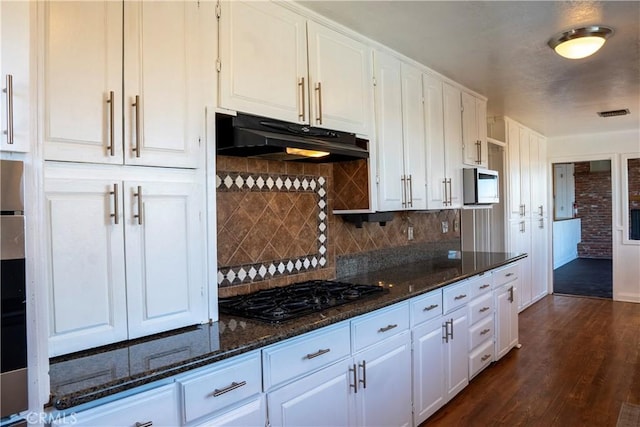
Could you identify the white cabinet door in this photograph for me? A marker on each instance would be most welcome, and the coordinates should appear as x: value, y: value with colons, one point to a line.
x: 513, y: 167
x: 157, y: 407
x: 453, y: 144
x: 85, y: 266
x: 388, y: 92
x: 82, y: 81
x: 263, y: 52
x: 251, y: 414
x: 413, y: 138
x: 163, y: 111
x: 428, y: 369
x: 164, y: 248
x: 506, y: 318
x: 525, y: 172
x: 319, y: 399
x: 538, y: 175
x: 520, y: 242
x: 437, y: 184
x: 384, y: 381
x: 456, y: 352
x: 15, y: 76
x: 540, y: 257
x: 474, y: 131
x: 340, y: 80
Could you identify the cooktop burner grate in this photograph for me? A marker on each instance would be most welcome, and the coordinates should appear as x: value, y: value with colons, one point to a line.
x: 290, y: 302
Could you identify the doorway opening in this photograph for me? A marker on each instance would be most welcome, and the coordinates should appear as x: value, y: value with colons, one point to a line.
x: 582, y: 229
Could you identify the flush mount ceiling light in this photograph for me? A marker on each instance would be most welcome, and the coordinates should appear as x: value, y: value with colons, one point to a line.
x: 580, y: 42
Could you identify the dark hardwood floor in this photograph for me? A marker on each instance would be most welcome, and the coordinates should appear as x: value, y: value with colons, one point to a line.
x: 579, y: 361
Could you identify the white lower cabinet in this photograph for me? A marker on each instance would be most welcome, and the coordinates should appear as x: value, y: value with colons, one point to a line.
x: 142, y: 270
x: 157, y: 407
x: 251, y: 414
x: 506, y: 321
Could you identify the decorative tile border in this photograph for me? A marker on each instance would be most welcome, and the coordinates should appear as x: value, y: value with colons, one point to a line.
x: 240, y: 181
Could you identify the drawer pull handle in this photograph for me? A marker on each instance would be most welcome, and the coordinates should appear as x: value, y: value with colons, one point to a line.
x: 485, y: 357
x: 387, y: 328
x: 317, y: 353
x: 234, y: 385
x: 508, y: 275
x: 144, y: 424
x: 485, y: 331
x: 431, y: 307
x: 485, y: 286
x: 483, y: 309
x: 461, y: 296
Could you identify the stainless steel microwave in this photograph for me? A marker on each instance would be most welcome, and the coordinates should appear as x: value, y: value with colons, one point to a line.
x: 480, y: 186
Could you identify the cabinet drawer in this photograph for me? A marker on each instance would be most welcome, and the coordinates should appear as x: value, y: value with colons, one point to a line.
x: 481, y: 284
x: 481, y: 332
x: 426, y: 307
x: 505, y: 275
x: 379, y: 325
x: 480, y: 358
x: 226, y: 383
x: 480, y: 308
x: 305, y: 354
x: 454, y: 296
x: 158, y: 406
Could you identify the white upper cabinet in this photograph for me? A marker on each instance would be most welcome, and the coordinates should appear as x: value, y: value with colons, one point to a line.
x: 83, y: 81
x: 15, y: 77
x: 474, y: 131
x: 264, y: 52
x: 401, y: 142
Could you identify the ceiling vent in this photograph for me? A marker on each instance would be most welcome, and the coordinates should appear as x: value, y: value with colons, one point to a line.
x: 613, y: 113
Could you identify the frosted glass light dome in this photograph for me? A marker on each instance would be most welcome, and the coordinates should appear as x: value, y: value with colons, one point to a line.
x: 581, y: 42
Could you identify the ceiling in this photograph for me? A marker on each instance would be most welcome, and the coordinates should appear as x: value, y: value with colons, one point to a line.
x: 499, y: 49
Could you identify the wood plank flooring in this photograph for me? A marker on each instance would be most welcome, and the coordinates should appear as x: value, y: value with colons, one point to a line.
x: 580, y: 359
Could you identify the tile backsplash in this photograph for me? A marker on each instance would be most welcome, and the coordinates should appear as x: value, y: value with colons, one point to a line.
x: 275, y: 225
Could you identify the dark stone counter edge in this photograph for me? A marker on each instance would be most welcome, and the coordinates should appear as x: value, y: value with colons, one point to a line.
x: 68, y: 401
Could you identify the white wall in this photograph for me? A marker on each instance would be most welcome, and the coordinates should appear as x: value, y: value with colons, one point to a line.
x: 603, y: 146
x: 566, y: 236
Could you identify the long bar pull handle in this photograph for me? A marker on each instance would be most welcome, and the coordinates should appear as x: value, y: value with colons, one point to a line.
x: 319, y: 91
x: 302, y: 115
x: 404, y: 191
x: 234, y: 385
x: 111, y: 147
x: 479, y: 151
x: 136, y: 106
x: 445, y: 327
x: 363, y: 365
x: 540, y: 210
x: 138, y: 194
x: 355, y: 378
x: 451, y: 323
x: 450, y: 193
x: 541, y: 224
x: 317, y: 353
x: 144, y: 424
x: 116, y: 218
x: 410, y: 202
x: 444, y: 197
x: 511, y: 294
x: 9, y: 91
x: 387, y: 328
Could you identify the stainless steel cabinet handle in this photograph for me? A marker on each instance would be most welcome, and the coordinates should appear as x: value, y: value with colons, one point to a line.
x: 111, y: 147
x: 404, y: 191
x: 485, y: 286
x: 444, y: 196
x: 136, y: 106
x: 450, y: 193
x: 541, y: 224
x: 144, y: 424
x: 363, y: 365
x: 522, y: 227
x: 355, y: 378
x: 410, y: 202
x: 508, y: 274
x: 317, y: 353
x: 138, y: 195
x: 479, y: 151
x: 302, y: 115
x: 451, y: 323
x: 524, y: 210
x: 430, y: 307
x: 461, y: 296
x: 483, y: 309
x: 319, y: 96
x: 445, y: 327
x: 387, y: 328
x: 540, y: 210
x: 234, y: 385
x: 485, y: 331
x: 485, y: 357
x: 511, y: 294
x: 115, y: 216
x: 9, y: 91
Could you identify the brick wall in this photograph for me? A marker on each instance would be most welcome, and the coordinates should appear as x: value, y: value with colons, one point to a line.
x: 593, y: 198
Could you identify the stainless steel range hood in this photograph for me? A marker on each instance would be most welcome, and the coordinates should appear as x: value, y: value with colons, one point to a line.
x: 252, y: 136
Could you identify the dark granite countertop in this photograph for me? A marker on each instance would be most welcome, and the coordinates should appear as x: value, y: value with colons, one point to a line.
x: 85, y: 376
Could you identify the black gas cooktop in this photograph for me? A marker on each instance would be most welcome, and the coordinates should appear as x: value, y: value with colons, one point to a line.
x: 290, y: 302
